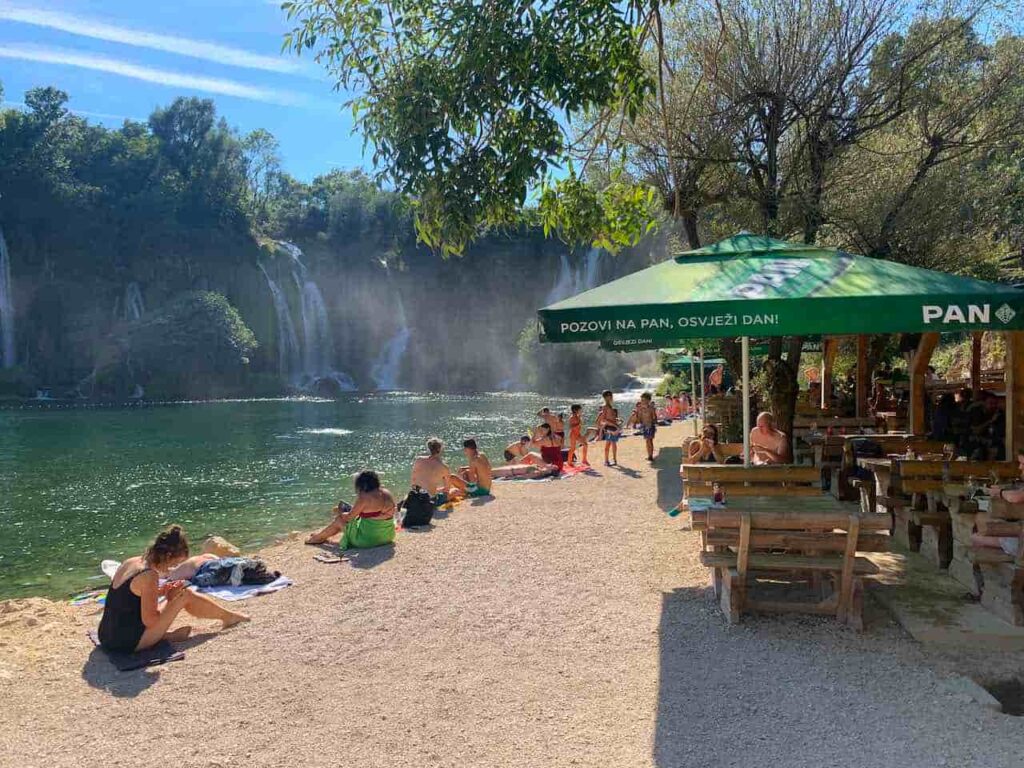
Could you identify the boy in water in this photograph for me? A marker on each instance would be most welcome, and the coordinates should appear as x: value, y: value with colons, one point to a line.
x: 608, y: 428
x: 473, y: 480
x: 645, y: 416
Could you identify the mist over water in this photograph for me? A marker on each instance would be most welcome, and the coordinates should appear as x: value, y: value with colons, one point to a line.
x: 78, y: 486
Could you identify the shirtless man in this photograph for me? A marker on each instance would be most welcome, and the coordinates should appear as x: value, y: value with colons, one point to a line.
x: 519, y: 452
x: 645, y: 416
x: 554, y: 421
x: 767, y: 444
x: 473, y: 480
x: 431, y: 473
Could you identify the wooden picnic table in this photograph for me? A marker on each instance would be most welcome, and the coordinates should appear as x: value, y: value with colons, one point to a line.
x: 808, y: 538
x: 913, y: 491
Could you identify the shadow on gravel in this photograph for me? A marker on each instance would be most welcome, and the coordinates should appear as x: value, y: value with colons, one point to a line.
x: 670, y: 485
x: 370, y: 558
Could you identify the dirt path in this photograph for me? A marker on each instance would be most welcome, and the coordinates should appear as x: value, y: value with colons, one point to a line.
x: 564, y: 623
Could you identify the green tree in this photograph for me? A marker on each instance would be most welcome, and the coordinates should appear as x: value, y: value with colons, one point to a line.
x: 464, y: 102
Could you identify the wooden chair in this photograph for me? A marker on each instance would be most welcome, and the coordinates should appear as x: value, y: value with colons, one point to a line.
x: 890, y: 444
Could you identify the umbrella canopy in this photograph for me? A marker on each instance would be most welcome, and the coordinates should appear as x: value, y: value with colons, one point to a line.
x: 683, y: 361
x: 756, y: 286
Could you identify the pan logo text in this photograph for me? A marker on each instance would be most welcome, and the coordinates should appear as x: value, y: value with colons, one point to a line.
x: 965, y: 315
x: 667, y: 324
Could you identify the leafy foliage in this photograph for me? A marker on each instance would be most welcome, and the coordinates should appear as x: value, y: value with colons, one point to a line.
x: 461, y: 101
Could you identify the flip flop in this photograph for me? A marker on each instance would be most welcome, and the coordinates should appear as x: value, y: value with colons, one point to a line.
x: 324, y: 557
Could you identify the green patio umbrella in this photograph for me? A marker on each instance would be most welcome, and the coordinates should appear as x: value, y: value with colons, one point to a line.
x: 756, y: 286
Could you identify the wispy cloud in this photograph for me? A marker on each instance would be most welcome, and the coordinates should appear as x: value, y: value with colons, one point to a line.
x: 170, y: 78
x: 22, y: 106
x: 183, y: 46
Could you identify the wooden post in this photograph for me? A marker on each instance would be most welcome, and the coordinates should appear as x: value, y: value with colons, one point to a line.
x: 1014, y: 393
x: 976, y: 362
x: 918, y: 373
x: 829, y: 348
x: 862, y: 376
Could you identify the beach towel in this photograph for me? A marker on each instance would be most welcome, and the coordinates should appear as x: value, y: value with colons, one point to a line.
x: 161, y: 653
x: 244, y: 591
x: 225, y: 592
x: 366, y: 532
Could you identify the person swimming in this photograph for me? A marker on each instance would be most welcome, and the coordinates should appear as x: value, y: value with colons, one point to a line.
x: 133, y: 618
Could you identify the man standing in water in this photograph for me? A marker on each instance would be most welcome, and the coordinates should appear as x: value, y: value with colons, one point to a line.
x: 473, y: 480
x: 645, y: 416
x: 431, y: 473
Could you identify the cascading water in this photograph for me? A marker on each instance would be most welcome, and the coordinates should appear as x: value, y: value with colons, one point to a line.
x: 388, y: 366
x: 288, y: 340
x: 304, y: 363
x: 570, y: 281
x: 7, y: 344
x: 134, y: 306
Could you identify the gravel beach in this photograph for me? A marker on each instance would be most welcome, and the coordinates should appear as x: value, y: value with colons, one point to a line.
x: 563, y: 623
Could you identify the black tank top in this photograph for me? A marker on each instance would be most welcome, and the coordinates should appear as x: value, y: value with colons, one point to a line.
x: 121, y: 627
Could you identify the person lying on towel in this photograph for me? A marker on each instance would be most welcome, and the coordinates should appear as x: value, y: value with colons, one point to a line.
x: 369, y: 522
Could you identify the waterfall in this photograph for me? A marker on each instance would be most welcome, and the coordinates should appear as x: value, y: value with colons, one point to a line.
x: 288, y: 341
x: 304, y: 362
x: 6, y: 308
x: 388, y: 365
x: 590, y: 277
x: 134, y: 306
x: 569, y: 281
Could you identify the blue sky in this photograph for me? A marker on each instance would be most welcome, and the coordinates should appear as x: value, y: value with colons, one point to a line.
x: 119, y: 59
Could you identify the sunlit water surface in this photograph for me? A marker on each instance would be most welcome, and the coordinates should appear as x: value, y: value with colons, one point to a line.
x: 78, y: 486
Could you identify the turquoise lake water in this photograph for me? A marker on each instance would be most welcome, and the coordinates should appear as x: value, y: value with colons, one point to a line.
x: 79, y: 486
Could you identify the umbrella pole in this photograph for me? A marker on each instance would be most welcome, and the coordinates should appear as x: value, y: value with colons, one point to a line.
x: 703, y: 390
x: 745, y: 346
x: 693, y: 393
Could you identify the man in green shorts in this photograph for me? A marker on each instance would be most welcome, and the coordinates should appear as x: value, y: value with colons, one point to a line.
x: 473, y: 480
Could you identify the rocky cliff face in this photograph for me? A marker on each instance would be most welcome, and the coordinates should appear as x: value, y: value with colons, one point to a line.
x: 354, y: 317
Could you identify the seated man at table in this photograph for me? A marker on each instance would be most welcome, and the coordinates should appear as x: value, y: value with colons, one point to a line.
x: 767, y: 444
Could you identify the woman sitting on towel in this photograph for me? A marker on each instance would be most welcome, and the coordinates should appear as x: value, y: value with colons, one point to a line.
x: 370, y: 522
x: 133, y: 619
x: 549, y: 444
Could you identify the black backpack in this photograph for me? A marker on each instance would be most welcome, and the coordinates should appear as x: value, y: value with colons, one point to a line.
x: 419, y: 508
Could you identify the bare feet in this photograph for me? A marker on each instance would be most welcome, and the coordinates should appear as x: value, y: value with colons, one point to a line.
x: 314, y: 539
x: 238, y: 618
x: 178, y: 635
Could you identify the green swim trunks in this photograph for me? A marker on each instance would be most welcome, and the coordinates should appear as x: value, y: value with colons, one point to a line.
x: 440, y: 499
x: 474, y: 491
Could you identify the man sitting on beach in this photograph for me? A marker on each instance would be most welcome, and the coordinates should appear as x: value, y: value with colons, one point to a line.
x: 645, y: 416
x: 473, y: 480
x: 767, y: 444
x: 431, y: 473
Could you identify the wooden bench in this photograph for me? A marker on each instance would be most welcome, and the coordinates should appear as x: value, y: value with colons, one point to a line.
x: 738, y: 480
x: 1001, y: 574
x: 805, y: 426
x: 911, y: 490
x: 812, y: 540
x: 890, y: 444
